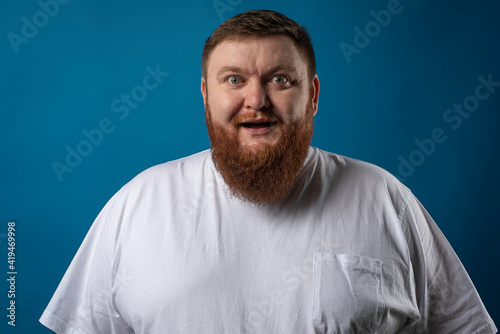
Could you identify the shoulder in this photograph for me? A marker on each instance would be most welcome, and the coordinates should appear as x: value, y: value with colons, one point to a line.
x: 353, y: 169
x: 167, y: 176
x: 172, y: 168
x: 359, y: 178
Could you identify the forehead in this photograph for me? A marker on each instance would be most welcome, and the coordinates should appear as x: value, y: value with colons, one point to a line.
x: 257, y: 54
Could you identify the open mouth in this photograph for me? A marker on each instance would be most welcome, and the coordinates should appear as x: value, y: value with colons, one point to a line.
x: 257, y: 125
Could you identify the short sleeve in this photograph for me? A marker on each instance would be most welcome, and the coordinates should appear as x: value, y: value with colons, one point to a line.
x: 83, y: 301
x: 447, y: 299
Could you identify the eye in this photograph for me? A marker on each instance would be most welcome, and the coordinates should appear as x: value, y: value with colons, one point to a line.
x: 279, y: 79
x: 234, y: 80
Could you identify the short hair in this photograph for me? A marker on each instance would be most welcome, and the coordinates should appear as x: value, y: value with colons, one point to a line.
x: 260, y: 22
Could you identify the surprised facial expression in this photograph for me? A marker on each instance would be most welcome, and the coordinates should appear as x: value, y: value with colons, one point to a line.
x: 258, y: 87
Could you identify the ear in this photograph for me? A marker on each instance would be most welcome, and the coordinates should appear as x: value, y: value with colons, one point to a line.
x: 204, y: 91
x: 315, y: 93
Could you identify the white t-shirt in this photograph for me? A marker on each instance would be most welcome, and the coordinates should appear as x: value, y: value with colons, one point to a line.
x: 351, y: 250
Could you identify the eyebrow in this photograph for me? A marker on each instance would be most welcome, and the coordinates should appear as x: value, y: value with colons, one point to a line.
x: 277, y: 68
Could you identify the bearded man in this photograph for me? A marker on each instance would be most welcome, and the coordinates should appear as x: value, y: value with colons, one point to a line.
x: 263, y: 233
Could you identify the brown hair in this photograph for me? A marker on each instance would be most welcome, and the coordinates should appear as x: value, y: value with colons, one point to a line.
x: 260, y: 22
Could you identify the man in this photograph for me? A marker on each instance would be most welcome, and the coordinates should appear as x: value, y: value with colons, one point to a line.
x: 263, y: 233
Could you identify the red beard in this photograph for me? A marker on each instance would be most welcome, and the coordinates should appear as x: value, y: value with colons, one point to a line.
x: 267, y: 174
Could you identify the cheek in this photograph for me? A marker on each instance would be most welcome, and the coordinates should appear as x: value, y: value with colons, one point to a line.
x: 223, y: 105
x: 291, y: 107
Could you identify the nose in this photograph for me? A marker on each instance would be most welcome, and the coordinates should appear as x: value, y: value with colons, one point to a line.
x: 256, y: 97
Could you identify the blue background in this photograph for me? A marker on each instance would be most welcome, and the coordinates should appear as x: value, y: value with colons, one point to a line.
x: 394, y: 91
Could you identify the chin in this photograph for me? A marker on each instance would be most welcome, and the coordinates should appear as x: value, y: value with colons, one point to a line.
x: 257, y: 142
x: 258, y: 145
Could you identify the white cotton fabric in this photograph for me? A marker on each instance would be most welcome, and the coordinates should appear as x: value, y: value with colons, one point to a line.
x: 349, y: 251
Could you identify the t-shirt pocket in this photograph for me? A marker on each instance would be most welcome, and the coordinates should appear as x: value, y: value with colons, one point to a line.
x: 347, y: 293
